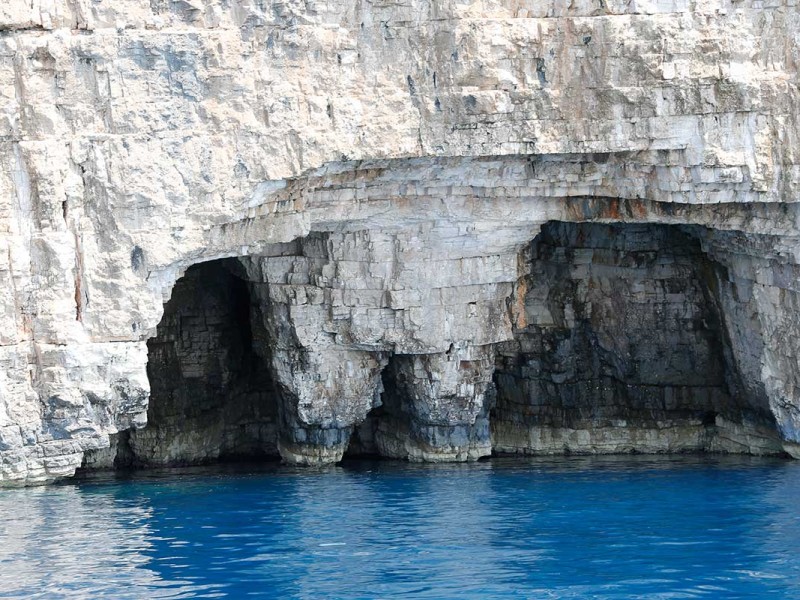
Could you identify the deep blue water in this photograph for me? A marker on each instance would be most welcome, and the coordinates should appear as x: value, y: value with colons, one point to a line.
x: 559, y: 528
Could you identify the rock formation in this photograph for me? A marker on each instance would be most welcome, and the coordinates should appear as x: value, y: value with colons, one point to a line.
x: 423, y: 230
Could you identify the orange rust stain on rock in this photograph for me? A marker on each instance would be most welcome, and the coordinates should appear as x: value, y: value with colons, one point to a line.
x: 519, y: 318
x: 638, y: 208
x: 612, y: 210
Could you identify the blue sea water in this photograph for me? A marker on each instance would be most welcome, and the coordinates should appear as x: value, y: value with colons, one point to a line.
x: 630, y: 527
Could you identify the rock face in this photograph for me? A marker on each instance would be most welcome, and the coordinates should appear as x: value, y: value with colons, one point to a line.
x: 625, y: 349
x: 424, y: 230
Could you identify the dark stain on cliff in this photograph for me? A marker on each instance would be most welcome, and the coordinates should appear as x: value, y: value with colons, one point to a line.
x: 137, y: 259
x: 541, y: 72
x: 412, y: 88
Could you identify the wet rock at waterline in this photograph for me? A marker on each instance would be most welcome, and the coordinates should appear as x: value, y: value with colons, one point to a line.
x: 428, y: 231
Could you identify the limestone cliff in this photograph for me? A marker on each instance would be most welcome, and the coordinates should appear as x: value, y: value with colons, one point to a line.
x: 447, y: 226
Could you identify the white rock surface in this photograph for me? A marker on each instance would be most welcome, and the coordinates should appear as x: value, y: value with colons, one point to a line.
x: 425, y: 143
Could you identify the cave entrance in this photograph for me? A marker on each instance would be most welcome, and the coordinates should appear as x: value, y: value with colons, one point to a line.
x: 387, y: 429
x: 629, y: 341
x: 212, y: 397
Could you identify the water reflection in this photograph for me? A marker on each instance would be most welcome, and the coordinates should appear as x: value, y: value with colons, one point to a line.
x: 565, y: 528
x: 60, y: 541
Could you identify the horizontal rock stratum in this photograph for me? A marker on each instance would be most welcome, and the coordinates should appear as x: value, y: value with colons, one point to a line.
x: 449, y: 227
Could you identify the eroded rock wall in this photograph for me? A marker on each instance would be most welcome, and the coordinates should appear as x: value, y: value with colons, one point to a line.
x: 211, y: 395
x: 624, y: 349
x: 139, y: 138
x: 337, y: 306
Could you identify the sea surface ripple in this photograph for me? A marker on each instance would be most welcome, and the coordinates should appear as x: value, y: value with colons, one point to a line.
x: 625, y: 527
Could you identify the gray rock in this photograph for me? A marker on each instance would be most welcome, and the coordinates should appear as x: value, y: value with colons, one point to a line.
x: 377, y: 174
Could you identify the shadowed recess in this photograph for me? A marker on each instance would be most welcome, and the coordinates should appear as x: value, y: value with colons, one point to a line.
x: 212, y: 396
x: 624, y: 345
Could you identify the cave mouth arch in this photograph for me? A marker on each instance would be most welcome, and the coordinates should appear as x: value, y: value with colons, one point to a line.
x: 631, y: 340
x: 212, y: 395
x: 620, y: 337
